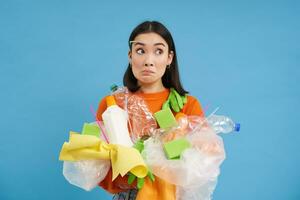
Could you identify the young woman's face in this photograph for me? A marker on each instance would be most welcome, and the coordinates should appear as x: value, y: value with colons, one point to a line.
x: 149, y: 57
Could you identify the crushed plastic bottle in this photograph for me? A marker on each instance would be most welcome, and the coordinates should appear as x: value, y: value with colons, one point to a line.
x: 222, y: 124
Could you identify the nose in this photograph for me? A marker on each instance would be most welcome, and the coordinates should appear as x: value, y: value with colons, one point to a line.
x: 148, y: 64
x: 149, y: 61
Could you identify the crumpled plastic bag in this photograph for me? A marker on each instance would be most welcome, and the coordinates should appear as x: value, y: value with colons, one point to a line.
x: 197, y: 192
x: 195, y: 173
x: 86, y: 174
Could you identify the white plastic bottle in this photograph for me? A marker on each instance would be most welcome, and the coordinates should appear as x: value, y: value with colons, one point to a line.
x: 222, y: 124
x: 115, y: 122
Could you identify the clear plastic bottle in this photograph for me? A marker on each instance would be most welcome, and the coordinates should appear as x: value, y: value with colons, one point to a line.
x: 222, y: 124
x: 115, y: 89
x: 121, y: 96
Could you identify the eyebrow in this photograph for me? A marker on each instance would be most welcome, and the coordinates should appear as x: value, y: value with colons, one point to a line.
x: 143, y: 44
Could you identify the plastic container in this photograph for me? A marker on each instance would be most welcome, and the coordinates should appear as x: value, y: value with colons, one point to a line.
x: 222, y: 124
x: 115, y: 122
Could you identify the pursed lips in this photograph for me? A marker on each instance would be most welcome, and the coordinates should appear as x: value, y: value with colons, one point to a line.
x: 147, y: 71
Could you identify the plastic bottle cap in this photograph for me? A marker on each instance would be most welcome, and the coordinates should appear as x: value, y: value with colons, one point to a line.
x: 179, y: 115
x: 237, y: 127
x: 110, y: 101
x: 113, y: 87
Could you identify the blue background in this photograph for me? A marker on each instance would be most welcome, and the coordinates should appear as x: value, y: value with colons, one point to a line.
x: 57, y: 58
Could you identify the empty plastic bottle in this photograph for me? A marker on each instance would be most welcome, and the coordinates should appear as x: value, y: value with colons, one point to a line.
x: 223, y: 124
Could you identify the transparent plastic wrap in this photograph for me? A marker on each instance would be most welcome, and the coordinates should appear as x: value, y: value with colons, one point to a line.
x: 86, y: 174
x: 141, y: 120
x: 197, y: 192
x: 195, y: 173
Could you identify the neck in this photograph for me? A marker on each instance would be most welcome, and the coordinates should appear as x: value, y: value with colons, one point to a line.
x: 152, y: 88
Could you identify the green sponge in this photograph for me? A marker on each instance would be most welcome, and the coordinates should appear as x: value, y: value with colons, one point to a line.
x: 165, y: 118
x: 91, y: 129
x: 174, y: 148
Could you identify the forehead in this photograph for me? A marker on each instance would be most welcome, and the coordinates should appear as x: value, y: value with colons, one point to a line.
x: 149, y: 39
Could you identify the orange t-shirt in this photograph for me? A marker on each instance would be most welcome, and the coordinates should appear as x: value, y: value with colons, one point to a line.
x: 159, y: 189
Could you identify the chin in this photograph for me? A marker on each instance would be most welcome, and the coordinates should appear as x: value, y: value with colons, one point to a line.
x: 147, y: 80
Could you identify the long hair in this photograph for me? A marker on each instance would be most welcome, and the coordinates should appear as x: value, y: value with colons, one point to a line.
x: 171, y: 77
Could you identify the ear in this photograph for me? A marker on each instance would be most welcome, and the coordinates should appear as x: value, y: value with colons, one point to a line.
x: 170, y: 57
x: 129, y: 56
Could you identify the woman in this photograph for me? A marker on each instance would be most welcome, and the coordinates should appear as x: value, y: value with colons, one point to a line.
x: 151, y: 72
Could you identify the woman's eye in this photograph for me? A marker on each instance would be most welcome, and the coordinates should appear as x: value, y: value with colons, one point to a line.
x: 140, y: 51
x: 158, y: 51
